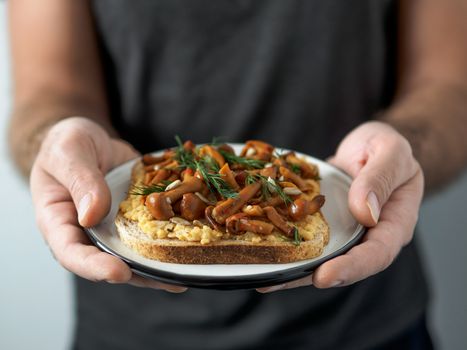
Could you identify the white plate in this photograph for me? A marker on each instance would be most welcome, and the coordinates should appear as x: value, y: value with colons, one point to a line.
x: 345, y: 233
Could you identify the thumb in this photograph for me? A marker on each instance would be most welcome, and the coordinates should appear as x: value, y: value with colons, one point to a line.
x: 85, y: 184
x: 380, y: 160
x: 75, y: 154
x: 385, y: 170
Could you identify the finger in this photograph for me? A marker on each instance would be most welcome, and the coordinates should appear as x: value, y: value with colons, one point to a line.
x: 139, y: 281
x: 72, y: 159
x: 122, y: 152
x: 381, y: 244
x: 302, y: 282
x: 56, y: 218
x: 73, y: 250
x: 383, y: 167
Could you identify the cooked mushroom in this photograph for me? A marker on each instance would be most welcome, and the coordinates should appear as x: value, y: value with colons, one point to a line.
x: 149, y: 159
x: 280, y: 162
x: 189, y: 184
x: 252, y: 210
x: 272, y: 201
x: 231, y: 205
x: 307, y: 170
x: 240, y: 177
x: 269, y: 172
x: 226, y: 148
x: 176, y: 207
x: 278, y: 221
x: 191, y: 207
x: 213, y: 153
x: 148, y: 177
x: 229, y: 177
x: 189, y: 145
x: 240, y: 223
x: 160, y: 176
x: 302, y: 207
x: 208, y: 214
x: 169, y: 162
x: 159, y: 204
x: 159, y: 207
x: 258, y: 150
x: 296, y: 179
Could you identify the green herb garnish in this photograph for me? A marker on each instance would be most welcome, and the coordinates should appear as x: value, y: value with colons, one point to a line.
x: 295, y: 168
x: 207, y: 167
x: 211, y: 163
x: 296, y: 237
x: 268, y: 187
x: 248, y: 163
x: 185, y: 158
x: 214, y: 181
x: 145, y: 190
x: 217, y: 140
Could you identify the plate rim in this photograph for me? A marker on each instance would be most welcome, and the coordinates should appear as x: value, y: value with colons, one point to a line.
x: 234, y: 281
x: 228, y: 282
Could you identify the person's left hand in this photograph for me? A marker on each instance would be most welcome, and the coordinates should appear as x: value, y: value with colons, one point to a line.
x: 385, y: 196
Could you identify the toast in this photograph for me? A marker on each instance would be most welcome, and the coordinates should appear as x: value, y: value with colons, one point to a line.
x: 225, y: 251
x: 251, y: 233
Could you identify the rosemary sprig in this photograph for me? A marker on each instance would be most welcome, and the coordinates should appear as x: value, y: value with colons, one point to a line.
x: 249, y: 163
x: 145, y: 190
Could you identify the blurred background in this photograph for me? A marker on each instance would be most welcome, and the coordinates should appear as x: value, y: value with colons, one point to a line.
x: 36, y: 302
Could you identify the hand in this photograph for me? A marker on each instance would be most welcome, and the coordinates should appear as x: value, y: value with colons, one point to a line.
x: 69, y: 190
x: 385, y: 196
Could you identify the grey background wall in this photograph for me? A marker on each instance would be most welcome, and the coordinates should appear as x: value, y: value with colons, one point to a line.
x: 36, y: 294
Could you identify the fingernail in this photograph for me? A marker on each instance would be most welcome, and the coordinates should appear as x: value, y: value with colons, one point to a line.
x: 274, y: 288
x: 337, y: 283
x: 84, y: 205
x: 373, y: 205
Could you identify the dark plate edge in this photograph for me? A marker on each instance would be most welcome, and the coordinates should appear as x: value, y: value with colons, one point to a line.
x: 228, y: 283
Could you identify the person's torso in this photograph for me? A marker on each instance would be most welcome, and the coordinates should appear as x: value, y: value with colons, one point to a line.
x: 297, y: 74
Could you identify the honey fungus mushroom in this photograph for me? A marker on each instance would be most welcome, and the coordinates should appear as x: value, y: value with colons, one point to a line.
x: 241, y: 222
x: 257, y: 150
x: 160, y: 204
x: 300, y: 208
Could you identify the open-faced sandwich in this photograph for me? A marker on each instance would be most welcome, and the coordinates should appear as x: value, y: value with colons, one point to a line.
x: 207, y: 205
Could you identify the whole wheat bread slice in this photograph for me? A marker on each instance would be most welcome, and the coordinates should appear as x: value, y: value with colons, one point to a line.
x: 222, y: 251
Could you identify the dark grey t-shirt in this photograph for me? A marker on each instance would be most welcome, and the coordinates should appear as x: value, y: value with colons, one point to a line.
x: 298, y: 74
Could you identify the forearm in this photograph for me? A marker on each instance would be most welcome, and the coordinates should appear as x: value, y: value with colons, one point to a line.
x: 433, y: 117
x: 32, y: 119
x: 56, y: 71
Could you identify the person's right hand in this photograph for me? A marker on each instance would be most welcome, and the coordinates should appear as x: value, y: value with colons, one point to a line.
x: 69, y: 191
